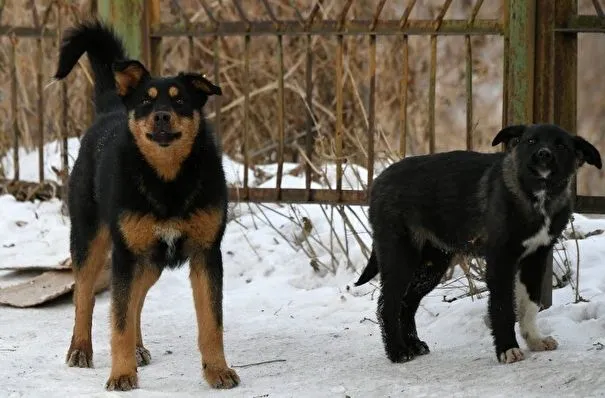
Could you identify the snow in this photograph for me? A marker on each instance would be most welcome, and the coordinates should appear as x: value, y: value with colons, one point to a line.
x: 319, y: 330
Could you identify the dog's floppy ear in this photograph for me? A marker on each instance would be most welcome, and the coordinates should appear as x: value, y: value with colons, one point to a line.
x: 586, y: 152
x: 200, y: 85
x: 128, y: 75
x: 509, y: 135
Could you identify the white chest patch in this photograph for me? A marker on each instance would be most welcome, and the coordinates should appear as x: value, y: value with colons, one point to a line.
x: 542, y: 237
x: 168, y: 235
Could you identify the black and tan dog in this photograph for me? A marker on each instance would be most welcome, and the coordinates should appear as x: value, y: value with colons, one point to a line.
x: 148, y: 184
x: 509, y: 207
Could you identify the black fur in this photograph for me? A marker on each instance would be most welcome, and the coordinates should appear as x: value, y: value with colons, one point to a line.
x: 112, y: 177
x: 426, y: 209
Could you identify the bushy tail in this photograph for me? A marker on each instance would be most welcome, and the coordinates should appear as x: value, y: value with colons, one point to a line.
x: 369, y: 271
x: 103, y: 47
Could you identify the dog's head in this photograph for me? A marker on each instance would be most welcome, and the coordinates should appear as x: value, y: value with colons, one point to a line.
x: 162, y: 110
x: 545, y: 154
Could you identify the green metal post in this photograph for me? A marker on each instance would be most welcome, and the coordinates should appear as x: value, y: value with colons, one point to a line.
x: 128, y: 19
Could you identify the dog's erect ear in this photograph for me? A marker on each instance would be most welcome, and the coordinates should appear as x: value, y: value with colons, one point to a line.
x: 586, y: 152
x: 509, y: 135
x: 128, y: 75
x: 200, y: 85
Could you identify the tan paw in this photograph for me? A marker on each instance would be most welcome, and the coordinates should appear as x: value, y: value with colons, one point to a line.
x: 221, y: 377
x: 79, y: 356
x: 122, y: 382
x: 544, y: 344
x: 512, y: 355
x: 143, y: 356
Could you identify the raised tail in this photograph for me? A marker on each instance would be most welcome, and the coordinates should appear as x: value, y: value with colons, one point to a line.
x: 103, y: 47
x: 369, y: 271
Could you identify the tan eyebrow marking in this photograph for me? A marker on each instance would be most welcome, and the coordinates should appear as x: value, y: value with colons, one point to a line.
x: 173, y: 91
x: 152, y: 92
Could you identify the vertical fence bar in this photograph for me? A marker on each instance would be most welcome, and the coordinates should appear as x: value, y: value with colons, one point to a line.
x: 565, y: 95
x: 40, y: 89
x: 339, y: 116
x: 14, y: 108
x: 469, y: 93
x: 372, y: 110
x: 543, y: 98
x: 505, y: 61
x: 246, y: 111
x: 309, y: 136
x: 469, y: 78
x: 64, y: 115
x: 217, y: 78
x: 280, y: 115
x: 403, y: 132
x: 432, y: 89
x: 153, y: 15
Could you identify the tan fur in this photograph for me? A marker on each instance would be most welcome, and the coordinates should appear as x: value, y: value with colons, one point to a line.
x: 128, y: 78
x: 140, y: 232
x: 123, y: 343
x: 173, y: 91
x: 166, y: 161
x: 152, y: 92
x: 210, y: 333
x: 86, y: 276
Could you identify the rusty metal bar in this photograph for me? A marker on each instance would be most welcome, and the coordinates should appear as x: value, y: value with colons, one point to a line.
x: 590, y: 204
x: 403, y: 132
x: 544, y: 55
x: 309, y: 109
x: 217, y: 78
x: 377, y: 14
x: 343, y: 15
x: 566, y: 71
x: 598, y: 8
x: 14, y: 108
x: 299, y: 16
x: 372, y: 110
x: 153, y: 16
x: 581, y: 24
x: 40, y: 87
x: 280, y: 115
x: 441, y: 15
x: 520, y: 79
x: 339, y: 116
x: 312, y: 15
x: 299, y: 195
x: 505, y: 62
x: 246, y: 113
x: 64, y: 115
x: 326, y: 28
x: 406, y: 14
x: 25, y: 31
x: 432, y: 89
x: 208, y: 12
x: 469, y: 93
x: 245, y: 23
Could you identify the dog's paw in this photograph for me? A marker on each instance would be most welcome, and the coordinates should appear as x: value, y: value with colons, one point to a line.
x: 511, y: 355
x: 143, y: 356
x: 419, y: 347
x: 221, y: 377
x: 544, y: 344
x: 400, y: 354
x: 122, y: 382
x: 80, y: 357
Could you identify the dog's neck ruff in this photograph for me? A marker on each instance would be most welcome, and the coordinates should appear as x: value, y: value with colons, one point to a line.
x: 542, y: 237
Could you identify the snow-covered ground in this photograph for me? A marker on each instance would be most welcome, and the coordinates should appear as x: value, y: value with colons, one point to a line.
x: 317, y: 330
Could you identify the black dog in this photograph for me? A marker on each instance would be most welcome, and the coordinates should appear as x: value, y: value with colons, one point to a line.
x: 508, y: 207
x: 148, y: 184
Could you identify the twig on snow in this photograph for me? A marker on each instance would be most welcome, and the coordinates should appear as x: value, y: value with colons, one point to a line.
x: 258, y: 363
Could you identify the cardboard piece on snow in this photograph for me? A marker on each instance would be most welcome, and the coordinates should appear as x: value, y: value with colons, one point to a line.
x: 63, y: 265
x: 47, y: 286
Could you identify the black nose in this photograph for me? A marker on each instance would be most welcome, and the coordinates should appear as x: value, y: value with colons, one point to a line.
x: 162, y: 119
x: 543, y: 155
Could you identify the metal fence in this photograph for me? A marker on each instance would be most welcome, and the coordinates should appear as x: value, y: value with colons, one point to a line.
x: 537, y: 35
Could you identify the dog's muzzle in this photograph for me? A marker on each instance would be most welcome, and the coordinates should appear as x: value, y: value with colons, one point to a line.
x: 542, y: 156
x: 162, y: 131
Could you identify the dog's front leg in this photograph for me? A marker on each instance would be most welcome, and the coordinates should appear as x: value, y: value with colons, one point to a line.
x: 129, y: 286
x: 501, y: 270
x: 206, y: 277
x: 528, y: 290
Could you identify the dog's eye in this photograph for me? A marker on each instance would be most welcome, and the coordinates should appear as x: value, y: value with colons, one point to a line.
x: 531, y: 141
x: 180, y: 101
x: 560, y: 146
x: 146, y: 101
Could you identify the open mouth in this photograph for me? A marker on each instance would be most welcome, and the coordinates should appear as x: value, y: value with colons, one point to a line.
x: 163, y: 138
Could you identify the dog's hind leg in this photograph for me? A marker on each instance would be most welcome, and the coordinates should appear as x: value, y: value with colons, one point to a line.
x: 433, y: 265
x: 143, y: 355
x: 89, y: 249
x: 528, y: 288
x: 398, y: 259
